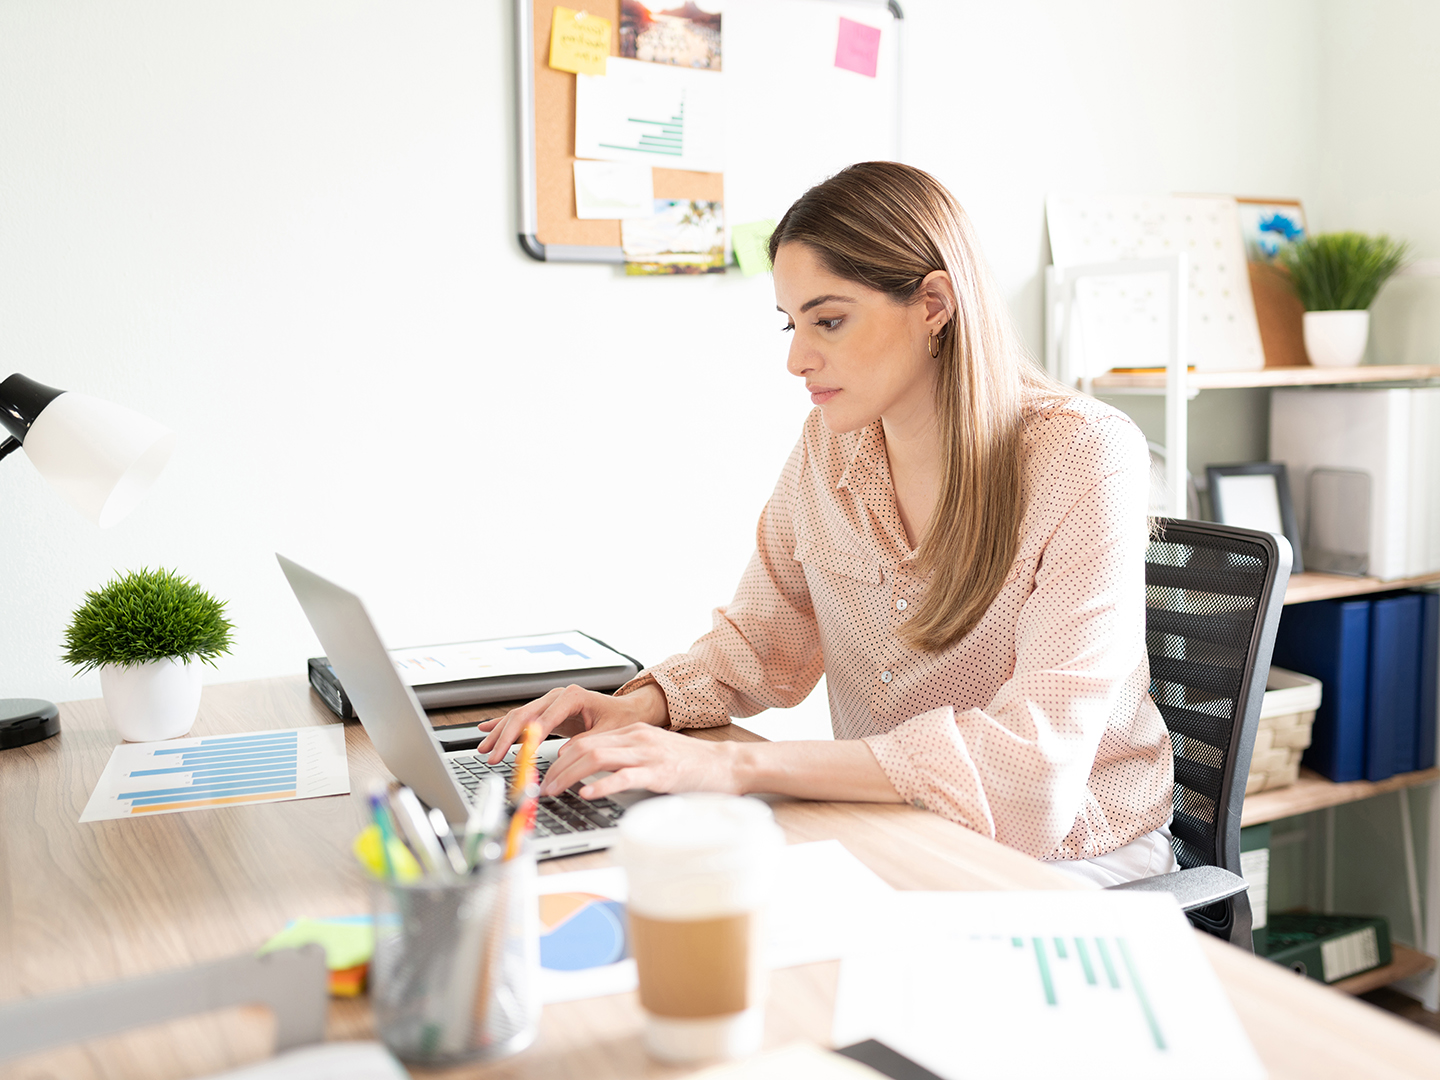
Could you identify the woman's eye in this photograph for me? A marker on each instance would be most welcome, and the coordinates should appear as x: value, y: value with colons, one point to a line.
x: 787, y: 328
x: 828, y: 324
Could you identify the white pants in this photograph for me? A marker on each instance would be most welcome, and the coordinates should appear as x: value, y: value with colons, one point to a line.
x: 1143, y: 857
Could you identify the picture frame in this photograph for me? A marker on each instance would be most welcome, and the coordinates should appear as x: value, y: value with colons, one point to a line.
x: 1256, y: 495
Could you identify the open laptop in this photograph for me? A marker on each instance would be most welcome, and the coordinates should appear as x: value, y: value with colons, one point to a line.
x: 397, y: 725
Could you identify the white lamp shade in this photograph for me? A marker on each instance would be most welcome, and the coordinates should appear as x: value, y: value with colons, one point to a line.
x: 101, y: 456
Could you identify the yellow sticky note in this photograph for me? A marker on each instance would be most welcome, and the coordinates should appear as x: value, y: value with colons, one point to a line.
x: 751, y: 242
x: 579, y: 42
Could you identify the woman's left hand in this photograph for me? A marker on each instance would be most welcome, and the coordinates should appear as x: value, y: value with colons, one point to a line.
x: 642, y: 756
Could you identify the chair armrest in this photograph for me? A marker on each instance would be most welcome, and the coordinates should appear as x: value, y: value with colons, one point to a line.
x: 1197, y: 887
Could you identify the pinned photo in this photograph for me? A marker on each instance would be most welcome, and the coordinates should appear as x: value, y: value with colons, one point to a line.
x: 685, y: 36
x: 685, y: 236
x: 1268, y: 225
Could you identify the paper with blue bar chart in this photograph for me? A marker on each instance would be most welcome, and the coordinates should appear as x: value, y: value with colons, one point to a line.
x: 1042, y: 984
x: 668, y: 117
x: 145, y: 779
x: 499, y: 657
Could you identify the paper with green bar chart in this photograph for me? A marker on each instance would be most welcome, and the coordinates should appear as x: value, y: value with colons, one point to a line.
x: 144, y: 779
x: 1044, y: 984
x: 668, y: 117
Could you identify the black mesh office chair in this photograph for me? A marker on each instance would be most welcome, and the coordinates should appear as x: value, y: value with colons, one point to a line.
x: 1213, y: 595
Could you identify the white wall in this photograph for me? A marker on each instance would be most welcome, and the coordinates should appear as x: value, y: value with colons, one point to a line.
x: 285, y: 228
x: 1380, y: 162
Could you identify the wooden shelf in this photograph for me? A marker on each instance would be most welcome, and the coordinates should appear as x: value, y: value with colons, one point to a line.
x: 1306, y: 587
x: 1313, y: 792
x: 1404, y: 962
x: 1282, y: 376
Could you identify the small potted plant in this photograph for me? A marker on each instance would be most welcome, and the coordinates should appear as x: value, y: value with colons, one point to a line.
x: 146, y: 632
x: 1336, y: 276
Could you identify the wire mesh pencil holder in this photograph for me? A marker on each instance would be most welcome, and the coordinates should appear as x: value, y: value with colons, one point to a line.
x: 456, y: 970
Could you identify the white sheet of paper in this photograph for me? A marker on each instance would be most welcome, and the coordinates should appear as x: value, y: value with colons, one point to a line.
x: 1124, y: 321
x: 669, y: 117
x: 1251, y: 502
x: 328, y: 1061
x: 142, y: 779
x: 1044, y: 984
x: 570, y: 651
x: 613, y: 190
x: 823, y: 895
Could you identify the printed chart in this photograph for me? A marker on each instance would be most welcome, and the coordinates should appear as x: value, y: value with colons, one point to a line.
x: 662, y: 115
x: 567, y: 651
x: 143, y: 779
x: 1021, y: 984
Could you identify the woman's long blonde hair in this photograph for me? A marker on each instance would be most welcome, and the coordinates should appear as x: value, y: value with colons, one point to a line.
x: 887, y: 226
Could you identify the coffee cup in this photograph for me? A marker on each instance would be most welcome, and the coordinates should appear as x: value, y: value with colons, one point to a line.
x: 700, y: 869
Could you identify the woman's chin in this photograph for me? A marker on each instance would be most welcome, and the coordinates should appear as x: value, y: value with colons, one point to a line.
x: 841, y: 421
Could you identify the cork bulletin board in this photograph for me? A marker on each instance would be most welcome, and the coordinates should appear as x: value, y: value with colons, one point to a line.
x: 793, y: 116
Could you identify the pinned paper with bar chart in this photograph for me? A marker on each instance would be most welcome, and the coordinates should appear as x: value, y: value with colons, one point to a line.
x: 1073, y: 984
x: 668, y: 117
x: 144, y: 779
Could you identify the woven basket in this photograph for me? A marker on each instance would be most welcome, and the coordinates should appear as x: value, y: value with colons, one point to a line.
x: 1285, y: 720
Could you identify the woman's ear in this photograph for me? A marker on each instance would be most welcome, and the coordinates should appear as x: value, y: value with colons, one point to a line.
x: 937, y: 300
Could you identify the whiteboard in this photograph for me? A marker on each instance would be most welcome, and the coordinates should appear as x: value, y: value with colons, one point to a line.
x: 792, y: 117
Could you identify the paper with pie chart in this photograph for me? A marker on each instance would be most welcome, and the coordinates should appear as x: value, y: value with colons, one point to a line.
x: 821, y: 894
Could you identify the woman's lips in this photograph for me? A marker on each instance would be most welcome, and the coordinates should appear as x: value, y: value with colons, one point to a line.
x: 820, y: 395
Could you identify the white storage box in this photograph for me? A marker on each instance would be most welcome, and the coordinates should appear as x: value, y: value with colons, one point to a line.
x: 1285, y: 720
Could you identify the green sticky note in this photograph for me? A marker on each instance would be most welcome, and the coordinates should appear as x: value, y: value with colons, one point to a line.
x: 751, y: 242
x: 346, y: 943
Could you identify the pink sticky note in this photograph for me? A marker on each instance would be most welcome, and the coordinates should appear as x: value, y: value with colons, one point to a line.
x: 859, y: 47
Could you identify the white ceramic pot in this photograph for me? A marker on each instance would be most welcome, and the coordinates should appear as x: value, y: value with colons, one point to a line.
x: 1336, y: 338
x: 154, y: 701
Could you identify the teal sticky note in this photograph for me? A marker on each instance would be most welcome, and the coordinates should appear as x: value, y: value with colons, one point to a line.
x: 751, y: 242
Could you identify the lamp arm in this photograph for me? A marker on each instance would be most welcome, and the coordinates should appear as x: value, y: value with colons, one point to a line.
x: 9, y: 446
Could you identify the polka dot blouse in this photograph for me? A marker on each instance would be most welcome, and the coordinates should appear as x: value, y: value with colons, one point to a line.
x: 1035, y: 729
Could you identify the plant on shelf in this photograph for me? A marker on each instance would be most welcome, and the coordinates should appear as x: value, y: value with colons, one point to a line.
x: 1337, y: 276
x: 147, y: 632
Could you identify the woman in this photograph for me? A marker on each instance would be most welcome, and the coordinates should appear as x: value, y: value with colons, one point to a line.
x: 956, y: 542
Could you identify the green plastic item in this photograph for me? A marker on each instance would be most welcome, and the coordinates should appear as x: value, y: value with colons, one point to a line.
x: 1328, y: 948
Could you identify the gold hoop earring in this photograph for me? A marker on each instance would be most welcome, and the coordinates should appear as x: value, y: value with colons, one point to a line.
x: 934, y: 345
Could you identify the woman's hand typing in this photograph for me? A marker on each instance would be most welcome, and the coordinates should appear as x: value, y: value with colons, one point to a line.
x: 570, y: 710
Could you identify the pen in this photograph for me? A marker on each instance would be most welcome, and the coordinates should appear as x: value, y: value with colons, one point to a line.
x: 487, y: 816
x: 524, y: 774
x: 447, y: 840
x: 416, y: 826
x: 382, y: 822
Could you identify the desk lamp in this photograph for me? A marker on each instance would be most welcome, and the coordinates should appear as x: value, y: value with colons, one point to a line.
x: 103, y: 458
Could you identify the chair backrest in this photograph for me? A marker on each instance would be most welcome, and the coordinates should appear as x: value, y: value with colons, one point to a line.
x: 1213, y: 595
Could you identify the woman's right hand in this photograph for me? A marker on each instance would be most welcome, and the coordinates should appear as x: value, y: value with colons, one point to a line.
x: 570, y: 710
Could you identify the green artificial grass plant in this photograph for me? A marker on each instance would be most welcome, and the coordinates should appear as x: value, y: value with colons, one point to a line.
x: 1341, y: 271
x: 147, y: 615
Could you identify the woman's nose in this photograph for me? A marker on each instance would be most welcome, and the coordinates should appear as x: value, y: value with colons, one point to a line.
x: 801, y: 358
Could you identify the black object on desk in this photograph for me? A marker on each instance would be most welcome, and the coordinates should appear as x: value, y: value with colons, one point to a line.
x: 27, y: 720
x: 459, y: 693
x: 885, y: 1061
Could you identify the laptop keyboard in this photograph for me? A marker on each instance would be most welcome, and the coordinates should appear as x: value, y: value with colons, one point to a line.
x: 557, y: 815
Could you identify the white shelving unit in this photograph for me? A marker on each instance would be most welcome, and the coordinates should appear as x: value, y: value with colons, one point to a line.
x: 1179, y: 386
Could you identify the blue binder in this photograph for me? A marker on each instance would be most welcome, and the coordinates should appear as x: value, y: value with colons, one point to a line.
x: 1330, y: 640
x: 1394, y: 683
x: 1429, y: 713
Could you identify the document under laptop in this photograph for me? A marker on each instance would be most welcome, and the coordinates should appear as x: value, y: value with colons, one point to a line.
x: 391, y: 715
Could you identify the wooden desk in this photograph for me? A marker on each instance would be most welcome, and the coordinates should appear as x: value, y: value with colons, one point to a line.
x: 83, y: 904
